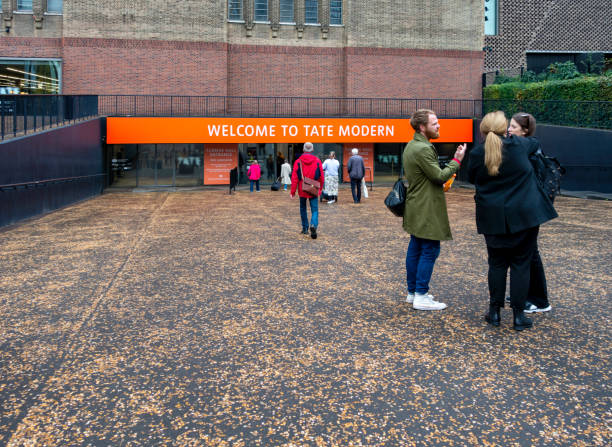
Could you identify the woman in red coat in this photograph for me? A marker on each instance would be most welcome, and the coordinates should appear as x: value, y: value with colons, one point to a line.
x: 313, y: 169
x: 254, y: 174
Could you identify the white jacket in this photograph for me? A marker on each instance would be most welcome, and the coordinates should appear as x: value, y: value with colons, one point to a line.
x: 286, y: 173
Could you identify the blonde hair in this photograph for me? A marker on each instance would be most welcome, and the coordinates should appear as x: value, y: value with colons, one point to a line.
x: 493, y: 126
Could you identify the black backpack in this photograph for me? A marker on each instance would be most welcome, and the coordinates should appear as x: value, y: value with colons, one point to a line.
x: 548, y: 172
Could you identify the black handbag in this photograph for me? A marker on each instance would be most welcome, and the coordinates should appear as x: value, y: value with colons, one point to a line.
x: 396, y: 199
x: 276, y: 185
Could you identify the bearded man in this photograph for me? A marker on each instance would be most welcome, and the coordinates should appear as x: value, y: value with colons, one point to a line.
x: 425, y: 215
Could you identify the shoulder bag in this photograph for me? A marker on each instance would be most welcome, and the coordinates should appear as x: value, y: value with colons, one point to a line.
x: 309, y: 186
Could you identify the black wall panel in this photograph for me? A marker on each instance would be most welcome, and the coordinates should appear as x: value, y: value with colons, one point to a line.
x: 68, y: 161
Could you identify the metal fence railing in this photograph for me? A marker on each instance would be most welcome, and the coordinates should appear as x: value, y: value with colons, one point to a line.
x: 23, y: 114
x: 262, y: 106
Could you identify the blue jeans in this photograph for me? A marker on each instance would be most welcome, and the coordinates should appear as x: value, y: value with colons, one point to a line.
x: 420, y: 259
x: 356, y: 189
x: 254, y: 182
x: 314, y: 209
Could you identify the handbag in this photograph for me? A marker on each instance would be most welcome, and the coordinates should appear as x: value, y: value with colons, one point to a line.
x: 309, y: 186
x: 396, y: 199
x: 276, y: 185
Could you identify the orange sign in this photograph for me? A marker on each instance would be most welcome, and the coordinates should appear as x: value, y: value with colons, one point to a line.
x: 219, y: 159
x: 150, y: 130
x: 366, y: 150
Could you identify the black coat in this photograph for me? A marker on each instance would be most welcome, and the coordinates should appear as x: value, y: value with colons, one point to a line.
x: 511, y: 201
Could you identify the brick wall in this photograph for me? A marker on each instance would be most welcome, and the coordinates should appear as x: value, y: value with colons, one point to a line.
x: 386, y: 48
x: 398, y: 73
x: 110, y: 66
x: 285, y: 71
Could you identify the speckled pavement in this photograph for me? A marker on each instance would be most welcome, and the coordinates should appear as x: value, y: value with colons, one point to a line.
x: 198, y: 318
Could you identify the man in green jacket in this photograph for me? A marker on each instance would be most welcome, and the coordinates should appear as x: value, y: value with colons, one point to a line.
x: 425, y: 216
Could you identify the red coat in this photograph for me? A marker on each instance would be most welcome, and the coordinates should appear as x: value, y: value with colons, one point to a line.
x: 313, y: 168
x: 254, y: 172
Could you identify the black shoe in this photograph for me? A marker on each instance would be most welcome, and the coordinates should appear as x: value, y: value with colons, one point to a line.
x: 492, y: 316
x: 305, y: 231
x: 313, y: 232
x: 520, y: 320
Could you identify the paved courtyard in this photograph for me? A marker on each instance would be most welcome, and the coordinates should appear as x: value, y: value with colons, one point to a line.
x: 198, y: 318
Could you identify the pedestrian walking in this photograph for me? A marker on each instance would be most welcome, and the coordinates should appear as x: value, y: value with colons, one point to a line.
x: 356, y: 172
x: 510, y: 207
x: 285, y: 172
x: 425, y: 215
x: 307, y: 165
x: 254, y: 174
x: 330, y: 168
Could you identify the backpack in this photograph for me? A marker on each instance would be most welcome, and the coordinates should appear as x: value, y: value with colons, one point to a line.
x: 548, y: 172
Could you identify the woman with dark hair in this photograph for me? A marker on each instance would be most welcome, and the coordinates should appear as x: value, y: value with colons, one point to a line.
x: 524, y: 125
x: 510, y: 207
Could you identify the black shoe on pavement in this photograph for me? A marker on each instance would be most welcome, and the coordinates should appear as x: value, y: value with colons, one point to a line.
x: 492, y: 316
x: 313, y: 232
x: 520, y: 320
x: 304, y: 230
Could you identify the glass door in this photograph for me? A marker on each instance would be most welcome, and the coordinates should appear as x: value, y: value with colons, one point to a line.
x: 157, y: 165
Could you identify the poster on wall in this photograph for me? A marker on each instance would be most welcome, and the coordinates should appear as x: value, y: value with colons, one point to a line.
x: 366, y: 150
x: 219, y: 159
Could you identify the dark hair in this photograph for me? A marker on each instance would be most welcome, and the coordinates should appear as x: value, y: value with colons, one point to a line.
x: 526, y: 121
x: 420, y: 117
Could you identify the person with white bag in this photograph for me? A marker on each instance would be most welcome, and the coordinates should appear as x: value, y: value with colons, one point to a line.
x: 356, y: 172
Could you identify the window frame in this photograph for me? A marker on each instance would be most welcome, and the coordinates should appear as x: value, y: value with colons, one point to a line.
x: 280, y: 18
x: 259, y: 20
x: 55, y: 13
x: 341, y: 6
x: 24, y: 11
x: 495, y: 12
x: 229, y: 18
x: 306, y: 22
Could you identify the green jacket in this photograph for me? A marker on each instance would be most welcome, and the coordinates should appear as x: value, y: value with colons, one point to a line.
x: 425, y: 214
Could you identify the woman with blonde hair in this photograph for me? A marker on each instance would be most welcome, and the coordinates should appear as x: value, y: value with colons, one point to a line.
x: 510, y: 207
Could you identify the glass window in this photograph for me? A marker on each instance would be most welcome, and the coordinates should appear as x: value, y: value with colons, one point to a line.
x: 490, y: 17
x: 261, y: 10
x: 286, y: 11
x: 55, y: 6
x: 234, y: 8
x: 30, y: 76
x: 312, y: 11
x: 24, y: 5
x: 335, y: 12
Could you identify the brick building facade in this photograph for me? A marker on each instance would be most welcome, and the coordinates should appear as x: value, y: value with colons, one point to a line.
x: 349, y: 48
x: 531, y: 33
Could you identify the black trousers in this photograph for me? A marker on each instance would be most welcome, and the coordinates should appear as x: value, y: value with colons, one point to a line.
x: 356, y: 189
x: 538, y: 292
x: 514, y: 251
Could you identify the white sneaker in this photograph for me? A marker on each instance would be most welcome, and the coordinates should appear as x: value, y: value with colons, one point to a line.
x: 426, y: 302
x: 330, y: 202
x: 410, y: 298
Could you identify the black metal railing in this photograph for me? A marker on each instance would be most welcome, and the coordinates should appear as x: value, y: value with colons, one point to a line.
x: 23, y: 114
x: 296, y: 107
